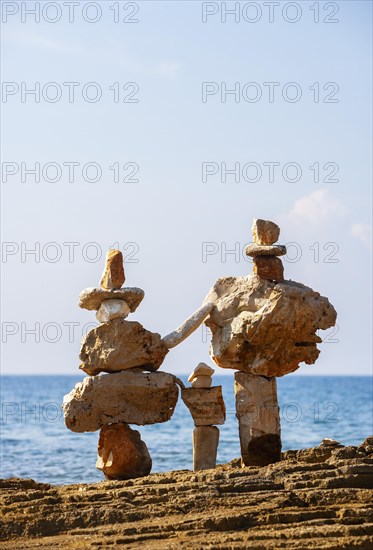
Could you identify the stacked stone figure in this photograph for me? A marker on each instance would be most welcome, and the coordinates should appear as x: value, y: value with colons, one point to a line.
x: 207, y: 408
x: 132, y: 392
x: 264, y: 252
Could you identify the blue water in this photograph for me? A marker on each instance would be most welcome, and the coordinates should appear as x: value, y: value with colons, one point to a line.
x: 36, y: 444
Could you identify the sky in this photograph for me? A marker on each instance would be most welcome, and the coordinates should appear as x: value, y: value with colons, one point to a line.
x: 163, y: 128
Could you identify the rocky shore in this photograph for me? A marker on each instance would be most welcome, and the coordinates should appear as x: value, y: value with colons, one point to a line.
x: 312, y: 498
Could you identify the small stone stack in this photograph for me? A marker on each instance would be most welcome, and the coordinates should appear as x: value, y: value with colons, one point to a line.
x: 132, y: 393
x: 265, y: 252
x: 207, y: 408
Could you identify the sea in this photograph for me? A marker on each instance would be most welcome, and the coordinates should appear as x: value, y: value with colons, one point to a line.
x: 35, y: 442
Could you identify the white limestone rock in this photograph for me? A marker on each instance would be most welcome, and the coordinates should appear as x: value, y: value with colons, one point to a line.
x: 112, y: 309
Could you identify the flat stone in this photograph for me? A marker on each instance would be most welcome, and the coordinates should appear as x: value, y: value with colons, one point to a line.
x: 265, y: 250
x: 122, y: 454
x: 112, y: 309
x: 258, y: 417
x: 201, y: 370
x: 265, y: 231
x: 205, y: 405
x: 205, y: 447
x: 132, y: 397
x: 269, y: 267
x: 202, y: 382
x: 113, y: 275
x: 91, y: 298
x: 266, y: 328
x: 329, y: 442
x: 121, y: 345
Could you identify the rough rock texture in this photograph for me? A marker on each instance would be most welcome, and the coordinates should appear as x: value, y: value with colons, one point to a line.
x: 258, y: 417
x: 122, y: 454
x: 112, y: 309
x: 205, y: 405
x: 265, y: 250
x: 202, y: 382
x: 133, y: 397
x: 269, y: 267
x: 120, y: 345
x: 264, y: 327
x: 265, y: 232
x: 323, y: 502
x: 205, y: 447
x: 113, y: 275
x: 92, y: 297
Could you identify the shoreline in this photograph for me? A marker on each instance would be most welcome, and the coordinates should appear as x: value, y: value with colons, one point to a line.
x: 323, y: 493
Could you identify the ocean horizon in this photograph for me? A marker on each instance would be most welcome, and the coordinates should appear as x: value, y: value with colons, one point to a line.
x: 35, y: 442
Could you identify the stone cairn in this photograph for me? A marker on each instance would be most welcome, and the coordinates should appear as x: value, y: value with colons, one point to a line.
x: 207, y: 408
x: 133, y: 392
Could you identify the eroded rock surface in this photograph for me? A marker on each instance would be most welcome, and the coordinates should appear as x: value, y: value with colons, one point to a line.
x: 266, y: 328
x: 113, y: 275
x: 92, y: 297
x: 206, y: 405
x: 132, y: 397
x: 120, y: 345
x: 293, y: 504
x: 122, y: 454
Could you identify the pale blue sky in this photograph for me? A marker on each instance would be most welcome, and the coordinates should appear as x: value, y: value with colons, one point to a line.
x: 170, y: 133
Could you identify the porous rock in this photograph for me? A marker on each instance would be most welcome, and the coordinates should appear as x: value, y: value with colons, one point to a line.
x: 206, y: 405
x: 266, y: 328
x: 91, y: 298
x: 122, y: 454
x: 120, y: 345
x: 265, y: 232
x: 113, y: 275
x: 133, y: 397
x: 269, y: 267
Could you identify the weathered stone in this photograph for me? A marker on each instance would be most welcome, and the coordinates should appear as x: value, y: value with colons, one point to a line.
x: 121, y: 345
x: 201, y: 370
x: 91, y: 298
x: 265, y: 232
x: 122, y: 454
x: 190, y: 325
x: 130, y: 396
x: 112, y: 309
x: 113, y: 275
x: 266, y: 328
x: 257, y: 412
x: 269, y: 267
x: 202, y: 382
x: 205, y: 447
x: 265, y: 250
x: 205, y: 405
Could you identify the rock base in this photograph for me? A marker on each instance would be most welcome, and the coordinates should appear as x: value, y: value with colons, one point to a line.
x: 205, y: 447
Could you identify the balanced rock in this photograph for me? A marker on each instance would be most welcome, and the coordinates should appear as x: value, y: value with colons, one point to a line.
x: 202, y: 382
x: 112, y: 309
x: 201, y: 370
x: 265, y: 250
x: 205, y: 405
x: 265, y: 232
x: 258, y: 419
x: 120, y: 345
x: 92, y: 298
x: 122, y: 454
x: 269, y: 267
x: 266, y: 328
x: 113, y: 275
x: 205, y: 446
x: 133, y: 397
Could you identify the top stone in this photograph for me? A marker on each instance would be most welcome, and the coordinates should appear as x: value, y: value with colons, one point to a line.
x: 113, y: 275
x: 265, y: 232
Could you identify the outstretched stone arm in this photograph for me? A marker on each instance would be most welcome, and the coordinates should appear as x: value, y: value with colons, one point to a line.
x: 189, y: 326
